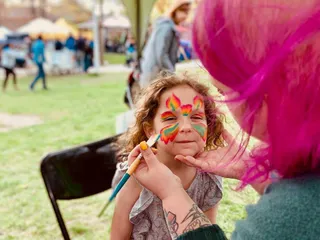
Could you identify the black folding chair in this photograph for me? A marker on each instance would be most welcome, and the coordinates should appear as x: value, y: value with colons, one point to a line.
x: 78, y: 172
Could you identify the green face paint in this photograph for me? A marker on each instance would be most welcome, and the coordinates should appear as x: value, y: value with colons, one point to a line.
x: 202, y: 129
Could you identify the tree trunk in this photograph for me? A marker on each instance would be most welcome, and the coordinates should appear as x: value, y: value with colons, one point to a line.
x: 33, y: 9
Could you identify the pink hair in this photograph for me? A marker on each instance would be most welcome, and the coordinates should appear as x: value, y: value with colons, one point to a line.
x: 268, y: 50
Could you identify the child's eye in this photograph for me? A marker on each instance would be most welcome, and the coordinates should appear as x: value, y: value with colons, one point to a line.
x: 198, y: 117
x: 169, y: 119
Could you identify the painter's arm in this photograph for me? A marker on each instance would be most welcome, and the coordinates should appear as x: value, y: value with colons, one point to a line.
x: 121, y: 228
x: 183, y: 215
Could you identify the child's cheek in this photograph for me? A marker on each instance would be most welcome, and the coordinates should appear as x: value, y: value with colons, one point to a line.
x: 202, y: 129
x: 169, y: 133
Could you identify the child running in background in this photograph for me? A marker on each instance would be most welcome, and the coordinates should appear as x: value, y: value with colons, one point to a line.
x: 182, y: 110
x: 8, y: 62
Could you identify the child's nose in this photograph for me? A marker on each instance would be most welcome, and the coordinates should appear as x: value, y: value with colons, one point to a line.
x: 185, y: 125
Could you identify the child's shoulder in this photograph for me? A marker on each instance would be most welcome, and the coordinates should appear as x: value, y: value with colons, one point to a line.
x: 206, y: 190
x: 205, y: 178
x: 121, y: 169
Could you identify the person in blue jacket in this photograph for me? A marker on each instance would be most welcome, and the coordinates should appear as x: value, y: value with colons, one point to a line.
x: 38, y: 55
x: 71, y: 43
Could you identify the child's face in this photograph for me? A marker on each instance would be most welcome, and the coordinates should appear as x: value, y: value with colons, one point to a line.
x: 181, y: 121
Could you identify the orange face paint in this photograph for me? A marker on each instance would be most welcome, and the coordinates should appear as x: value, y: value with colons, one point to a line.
x: 169, y: 133
x: 198, y: 102
x: 186, y: 109
x: 167, y: 115
x: 173, y: 102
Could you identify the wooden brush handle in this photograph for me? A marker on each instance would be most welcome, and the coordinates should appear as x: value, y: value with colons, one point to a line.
x: 134, y: 165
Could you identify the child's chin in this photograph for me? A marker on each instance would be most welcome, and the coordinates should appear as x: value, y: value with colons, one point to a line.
x: 186, y: 152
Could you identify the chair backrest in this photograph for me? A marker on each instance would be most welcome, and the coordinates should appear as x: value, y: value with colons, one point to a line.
x: 80, y: 172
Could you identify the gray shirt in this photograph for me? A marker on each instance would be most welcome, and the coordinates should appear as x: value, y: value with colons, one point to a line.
x: 147, y: 215
x: 160, y: 52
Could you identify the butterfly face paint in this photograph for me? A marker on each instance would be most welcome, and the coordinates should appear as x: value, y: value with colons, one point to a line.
x: 198, y: 102
x: 186, y: 110
x: 202, y: 129
x: 169, y: 133
x: 173, y: 102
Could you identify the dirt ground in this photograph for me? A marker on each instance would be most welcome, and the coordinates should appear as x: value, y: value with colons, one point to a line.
x: 9, y: 122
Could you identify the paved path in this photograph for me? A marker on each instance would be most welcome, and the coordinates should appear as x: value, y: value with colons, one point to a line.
x: 110, y: 68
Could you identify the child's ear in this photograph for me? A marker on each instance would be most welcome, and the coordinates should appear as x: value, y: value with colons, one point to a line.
x: 148, y: 129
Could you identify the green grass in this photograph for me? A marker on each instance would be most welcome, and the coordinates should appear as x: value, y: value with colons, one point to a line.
x: 115, y: 58
x: 76, y: 110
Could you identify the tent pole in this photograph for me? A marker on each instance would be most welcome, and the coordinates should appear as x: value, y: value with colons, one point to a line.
x: 138, y: 39
x: 96, y: 45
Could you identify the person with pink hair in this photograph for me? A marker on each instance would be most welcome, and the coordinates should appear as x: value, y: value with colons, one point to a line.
x: 265, y: 57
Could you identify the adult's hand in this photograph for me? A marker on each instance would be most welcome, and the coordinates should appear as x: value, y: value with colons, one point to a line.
x: 228, y: 162
x: 154, y: 175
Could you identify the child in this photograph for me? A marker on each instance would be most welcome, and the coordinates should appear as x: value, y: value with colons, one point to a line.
x: 8, y: 62
x: 182, y: 110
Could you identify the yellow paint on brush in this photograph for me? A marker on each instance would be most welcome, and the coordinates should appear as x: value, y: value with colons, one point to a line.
x: 143, y: 146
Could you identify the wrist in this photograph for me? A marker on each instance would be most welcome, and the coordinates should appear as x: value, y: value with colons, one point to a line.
x: 174, y: 196
x: 176, y: 190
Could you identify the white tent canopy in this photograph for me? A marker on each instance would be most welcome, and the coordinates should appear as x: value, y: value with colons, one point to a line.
x: 42, y: 25
x: 4, y: 32
x: 116, y: 22
x: 112, y: 21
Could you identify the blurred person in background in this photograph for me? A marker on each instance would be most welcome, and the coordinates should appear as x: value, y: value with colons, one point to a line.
x: 131, y: 54
x: 70, y: 45
x: 80, y: 52
x: 8, y: 62
x: 88, y: 56
x: 38, y: 54
x: 161, y: 50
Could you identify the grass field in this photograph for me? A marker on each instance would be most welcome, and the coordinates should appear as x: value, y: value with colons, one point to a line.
x: 75, y: 110
x: 115, y: 58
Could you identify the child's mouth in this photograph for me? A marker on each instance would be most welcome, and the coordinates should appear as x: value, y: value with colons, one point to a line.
x: 186, y: 141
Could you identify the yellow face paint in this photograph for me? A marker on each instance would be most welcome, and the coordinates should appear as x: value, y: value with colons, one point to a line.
x: 173, y: 102
x: 198, y: 102
x: 167, y: 116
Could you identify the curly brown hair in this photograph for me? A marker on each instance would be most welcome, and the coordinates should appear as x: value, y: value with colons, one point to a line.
x: 148, y: 104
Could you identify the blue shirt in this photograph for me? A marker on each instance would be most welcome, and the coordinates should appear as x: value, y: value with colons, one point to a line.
x: 71, y: 43
x: 38, y: 51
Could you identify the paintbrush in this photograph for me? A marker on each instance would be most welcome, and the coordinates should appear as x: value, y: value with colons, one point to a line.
x: 152, y: 140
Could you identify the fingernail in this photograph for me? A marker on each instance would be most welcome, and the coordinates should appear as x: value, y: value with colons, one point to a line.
x: 143, y: 146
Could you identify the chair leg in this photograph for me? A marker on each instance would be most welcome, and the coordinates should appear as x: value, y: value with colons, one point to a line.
x: 56, y: 209
x: 62, y: 226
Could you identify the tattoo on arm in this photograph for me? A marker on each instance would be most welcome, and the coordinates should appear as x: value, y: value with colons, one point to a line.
x: 196, y: 219
x: 172, y: 224
x: 193, y: 220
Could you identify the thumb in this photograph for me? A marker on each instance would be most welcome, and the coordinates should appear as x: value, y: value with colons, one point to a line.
x: 148, y: 155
